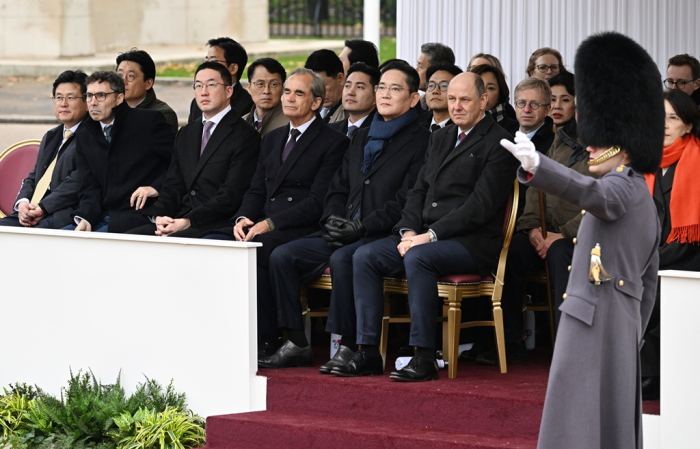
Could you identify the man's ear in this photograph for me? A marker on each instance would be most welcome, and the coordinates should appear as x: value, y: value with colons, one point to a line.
x: 415, y: 99
x: 341, y: 78
x: 149, y: 83
x: 233, y: 68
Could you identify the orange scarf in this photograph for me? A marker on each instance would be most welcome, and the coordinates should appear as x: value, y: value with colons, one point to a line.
x: 685, y: 193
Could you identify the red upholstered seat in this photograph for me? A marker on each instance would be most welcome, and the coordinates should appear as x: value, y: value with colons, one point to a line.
x: 15, y: 164
x: 326, y: 272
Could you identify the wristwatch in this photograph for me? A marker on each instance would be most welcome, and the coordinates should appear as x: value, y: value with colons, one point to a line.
x: 433, y: 237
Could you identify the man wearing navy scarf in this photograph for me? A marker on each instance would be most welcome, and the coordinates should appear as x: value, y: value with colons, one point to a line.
x: 451, y: 223
x: 363, y: 203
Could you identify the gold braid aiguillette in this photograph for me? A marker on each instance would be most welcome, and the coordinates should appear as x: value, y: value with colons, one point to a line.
x: 610, y: 152
x: 594, y: 275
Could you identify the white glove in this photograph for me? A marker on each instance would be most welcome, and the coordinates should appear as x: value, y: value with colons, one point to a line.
x: 524, y: 151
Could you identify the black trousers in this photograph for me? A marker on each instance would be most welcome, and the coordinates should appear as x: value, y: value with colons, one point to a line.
x: 267, y: 305
x: 150, y: 229
x: 422, y: 265
x: 522, y: 258
x: 13, y: 220
x: 301, y: 261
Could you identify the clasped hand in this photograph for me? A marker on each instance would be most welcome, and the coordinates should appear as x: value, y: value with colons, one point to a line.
x: 343, y: 231
x: 411, y: 239
x: 242, y: 236
x: 29, y: 214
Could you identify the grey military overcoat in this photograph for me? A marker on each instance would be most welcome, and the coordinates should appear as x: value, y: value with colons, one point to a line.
x: 594, y: 394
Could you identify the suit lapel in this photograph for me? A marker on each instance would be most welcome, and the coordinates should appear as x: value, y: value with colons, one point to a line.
x: 474, y: 136
x: 304, y: 141
x: 222, y: 130
x: 396, y: 144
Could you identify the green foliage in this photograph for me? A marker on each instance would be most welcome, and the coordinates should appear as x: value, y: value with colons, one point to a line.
x: 96, y: 416
x: 169, y: 429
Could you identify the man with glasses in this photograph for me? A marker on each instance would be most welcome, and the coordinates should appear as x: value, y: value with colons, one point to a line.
x: 266, y: 77
x: 233, y: 56
x: 439, y: 77
x: 119, y: 150
x: 213, y: 162
x: 137, y: 69
x: 49, y: 194
x: 363, y: 203
x: 683, y: 73
x: 358, y: 98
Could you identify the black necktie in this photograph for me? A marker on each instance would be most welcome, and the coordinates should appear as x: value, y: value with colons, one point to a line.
x: 434, y: 127
x: 352, y: 130
x: 290, y: 145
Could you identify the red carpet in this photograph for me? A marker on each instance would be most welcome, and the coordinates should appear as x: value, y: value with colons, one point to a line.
x: 480, y: 409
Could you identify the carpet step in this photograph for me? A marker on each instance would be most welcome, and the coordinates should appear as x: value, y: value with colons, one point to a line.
x: 298, y: 430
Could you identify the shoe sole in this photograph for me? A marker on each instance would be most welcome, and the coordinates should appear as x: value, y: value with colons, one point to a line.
x: 408, y: 379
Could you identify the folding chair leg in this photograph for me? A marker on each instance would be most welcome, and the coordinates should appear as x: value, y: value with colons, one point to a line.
x: 500, y: 337
x: 384, y: 339
x: 454, y: 319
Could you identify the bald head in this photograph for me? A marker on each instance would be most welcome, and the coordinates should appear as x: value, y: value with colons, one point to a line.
x: 466, y: 100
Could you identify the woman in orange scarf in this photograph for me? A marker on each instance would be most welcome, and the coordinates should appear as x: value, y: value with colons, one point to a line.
x: 676, y: 191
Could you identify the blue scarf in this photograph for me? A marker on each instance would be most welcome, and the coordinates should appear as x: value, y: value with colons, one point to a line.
x: 380, y: 132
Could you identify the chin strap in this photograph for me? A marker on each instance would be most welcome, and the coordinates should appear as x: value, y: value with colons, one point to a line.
x: 610, y: 152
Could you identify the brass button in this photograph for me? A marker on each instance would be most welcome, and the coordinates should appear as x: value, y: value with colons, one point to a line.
x: 563, y: 296
x: 575, y: 240
x: 583, y: 212
x: 621, y: 283
x: 569, y: 268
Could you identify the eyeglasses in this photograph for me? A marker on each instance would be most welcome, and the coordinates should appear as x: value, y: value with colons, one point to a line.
x: 130, y: 77
x: 59, y: 99
x: 214, y: 60
x: 395, y: 90
x: 273, y: 85
x: 544, y: 67
x: 99, y: 96
x: 441, y: 85
x: 210, y: 86
x: 669, y: 83
x: 533, y: 104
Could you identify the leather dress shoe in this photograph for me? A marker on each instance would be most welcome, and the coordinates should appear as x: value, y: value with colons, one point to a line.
x: 361, y: 364
x: 267, y: 348
x: 515, y: 353
x: 419, y: 369
x: 650, y: 388
x: 341, y: 357
x: 288, y: 355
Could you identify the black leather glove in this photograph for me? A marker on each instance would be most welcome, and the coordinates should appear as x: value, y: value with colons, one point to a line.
x: 343, y: 231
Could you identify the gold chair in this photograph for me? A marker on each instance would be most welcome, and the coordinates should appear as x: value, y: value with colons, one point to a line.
x: 322, y: 283
x: 454, y: 288
x: 15, y: 164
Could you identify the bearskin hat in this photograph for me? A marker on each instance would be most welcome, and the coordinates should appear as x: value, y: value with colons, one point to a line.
x: 619, y: 99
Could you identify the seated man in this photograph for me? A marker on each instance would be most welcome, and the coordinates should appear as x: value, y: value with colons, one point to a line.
x: 327, y: 65
x: 285, y: 199
x: 363, y: 203
x: 137, y: 69
x: 431, y: 53
x: 233, y: 56
x: 358, y: 50
x: 118, y: 150
x: 49, y: 194
x: 529, y: 249
x: 212, y: 165
x: 452, y: 223
x: 358, y: 99
x: 266, y: 77
x: 439, y: 77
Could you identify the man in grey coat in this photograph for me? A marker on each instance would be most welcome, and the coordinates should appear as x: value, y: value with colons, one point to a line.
x: 594, y: 392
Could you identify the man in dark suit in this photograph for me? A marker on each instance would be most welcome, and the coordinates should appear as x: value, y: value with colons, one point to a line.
x: 439, y: 77
x: 266, y: 77
x: 328, y: 66
x: 49, y: 194
x: 358, y: 99
x: 285, y: 199
x: 137, y: 69
x: 233, y: 56
x: 451, y: 223
x: 363, y: 204
x: 119, y: 150
x: 212, y: 165
x: 431, y: 53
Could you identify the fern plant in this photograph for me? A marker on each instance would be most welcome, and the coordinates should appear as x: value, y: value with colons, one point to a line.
x: 151, y: 395
x: 169, y: 429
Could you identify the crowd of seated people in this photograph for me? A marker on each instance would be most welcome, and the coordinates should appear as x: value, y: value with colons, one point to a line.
x: 374, y: 170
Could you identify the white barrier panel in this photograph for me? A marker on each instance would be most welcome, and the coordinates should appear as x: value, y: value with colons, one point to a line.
x: 680, y: 396
x: 167, y: 308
